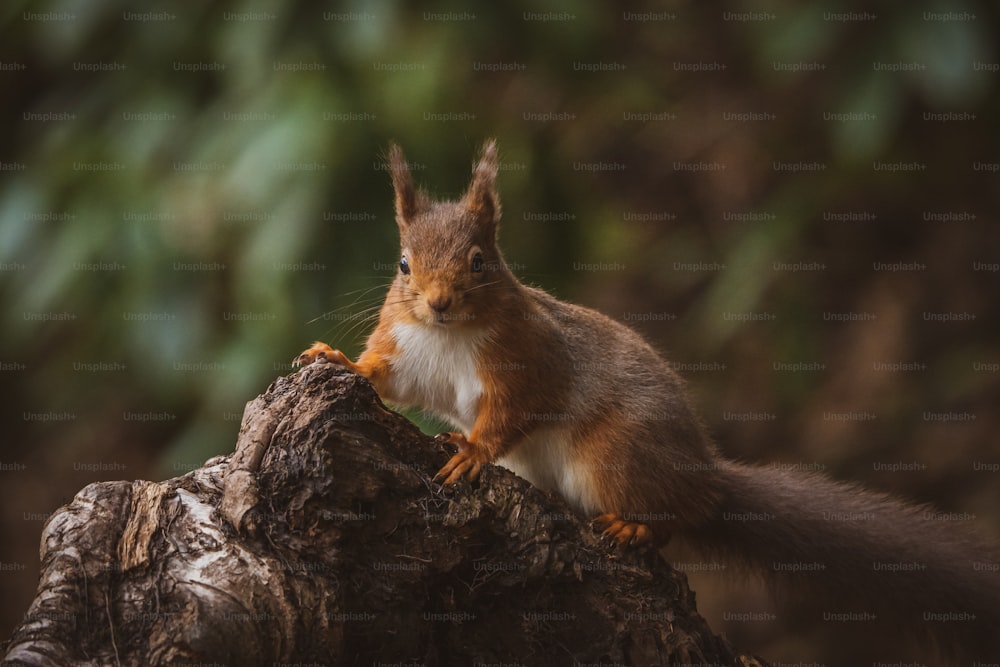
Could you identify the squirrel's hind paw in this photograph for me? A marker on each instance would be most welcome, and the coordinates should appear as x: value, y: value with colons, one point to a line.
x: 625, y: 533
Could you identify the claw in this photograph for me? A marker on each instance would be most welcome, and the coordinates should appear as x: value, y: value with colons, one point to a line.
x: 622, y: 532
x: 467, y: 462
x: 320, y: 352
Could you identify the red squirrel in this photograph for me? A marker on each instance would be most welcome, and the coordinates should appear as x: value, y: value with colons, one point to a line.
x: 580, y: 404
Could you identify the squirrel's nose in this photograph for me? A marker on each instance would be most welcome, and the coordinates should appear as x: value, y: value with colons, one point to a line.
x: 439, y: 303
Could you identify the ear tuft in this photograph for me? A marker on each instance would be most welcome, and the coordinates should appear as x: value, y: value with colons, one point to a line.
x: 482, y: 199
x: 407, y: 196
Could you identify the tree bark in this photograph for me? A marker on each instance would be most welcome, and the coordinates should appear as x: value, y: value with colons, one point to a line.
x: 323, y: 540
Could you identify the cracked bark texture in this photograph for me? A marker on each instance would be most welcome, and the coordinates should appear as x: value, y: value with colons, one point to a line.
x: 323, y: 540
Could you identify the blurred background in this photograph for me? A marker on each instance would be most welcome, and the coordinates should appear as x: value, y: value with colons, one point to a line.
x: 797, y: 204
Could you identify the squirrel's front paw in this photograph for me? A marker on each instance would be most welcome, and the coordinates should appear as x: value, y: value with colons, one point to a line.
x: 467, y: 462
x: 320, y: 352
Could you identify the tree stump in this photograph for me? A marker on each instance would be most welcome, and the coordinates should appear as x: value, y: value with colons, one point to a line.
x: 323, y: 540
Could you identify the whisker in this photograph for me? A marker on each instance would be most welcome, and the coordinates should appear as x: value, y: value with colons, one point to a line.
x: 475, y: 287
x: 356, y: 327
x: 362, y: 293
x: 350, y: 318
x: 362, y: 299
x: 335, y: 314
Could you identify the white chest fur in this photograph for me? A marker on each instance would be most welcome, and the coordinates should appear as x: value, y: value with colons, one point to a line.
x: 548, y: 460
x: 435, y: 368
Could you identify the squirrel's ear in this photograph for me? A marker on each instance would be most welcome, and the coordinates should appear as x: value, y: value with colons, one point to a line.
x: 481, y: 199
x: 407, y: 196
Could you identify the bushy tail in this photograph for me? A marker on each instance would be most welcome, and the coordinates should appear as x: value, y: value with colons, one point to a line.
x: 858, y: 552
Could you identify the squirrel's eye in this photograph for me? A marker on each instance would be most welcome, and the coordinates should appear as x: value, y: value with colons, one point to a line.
x: 477, y: 263
x: 404, y: 265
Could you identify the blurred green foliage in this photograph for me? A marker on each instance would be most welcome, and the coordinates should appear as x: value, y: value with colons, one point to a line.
x: 246, y: 212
